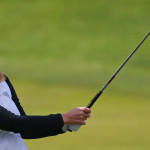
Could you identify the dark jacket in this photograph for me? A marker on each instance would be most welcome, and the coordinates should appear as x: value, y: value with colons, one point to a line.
x: 30, y: 127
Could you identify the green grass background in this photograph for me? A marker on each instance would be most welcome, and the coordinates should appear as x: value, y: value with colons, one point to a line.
x: 59, y: 53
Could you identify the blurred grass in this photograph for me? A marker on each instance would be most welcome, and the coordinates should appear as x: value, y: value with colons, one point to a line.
x: 66, y: 50
x: 117, y: 122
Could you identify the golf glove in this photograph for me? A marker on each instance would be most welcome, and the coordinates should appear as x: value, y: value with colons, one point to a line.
x: 71, y: 127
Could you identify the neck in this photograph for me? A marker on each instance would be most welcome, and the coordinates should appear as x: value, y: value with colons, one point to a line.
x: 2, y: 77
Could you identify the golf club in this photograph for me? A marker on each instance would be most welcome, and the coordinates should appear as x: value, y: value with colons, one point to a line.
x: 113, y: 76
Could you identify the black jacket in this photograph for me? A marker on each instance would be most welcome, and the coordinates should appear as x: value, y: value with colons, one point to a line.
x: 30, y: 127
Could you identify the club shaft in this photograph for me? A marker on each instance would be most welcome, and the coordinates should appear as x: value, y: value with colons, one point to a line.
x: 114, y: 75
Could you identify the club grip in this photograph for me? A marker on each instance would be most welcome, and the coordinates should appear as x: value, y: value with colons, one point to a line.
x: 94, y: 99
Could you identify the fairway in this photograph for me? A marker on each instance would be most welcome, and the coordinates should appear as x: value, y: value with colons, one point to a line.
x: 58, y: 54
x: 117, y: 122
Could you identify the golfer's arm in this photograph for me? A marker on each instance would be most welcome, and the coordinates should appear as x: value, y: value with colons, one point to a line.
x: 31, y: 126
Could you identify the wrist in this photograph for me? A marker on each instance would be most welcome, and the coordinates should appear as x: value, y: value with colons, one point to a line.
x: 64, y: 116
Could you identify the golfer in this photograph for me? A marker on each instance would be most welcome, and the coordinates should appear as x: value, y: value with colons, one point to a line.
x: 15, y: 125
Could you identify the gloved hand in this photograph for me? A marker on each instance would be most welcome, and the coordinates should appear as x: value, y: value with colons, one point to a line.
x: 74, y: 127
x: 75, y: 118
x: 71, y: 127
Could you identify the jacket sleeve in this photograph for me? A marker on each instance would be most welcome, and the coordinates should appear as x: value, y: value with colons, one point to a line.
x: 31, y: 127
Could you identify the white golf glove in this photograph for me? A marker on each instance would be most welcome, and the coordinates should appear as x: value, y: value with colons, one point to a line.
x: 71, y: 127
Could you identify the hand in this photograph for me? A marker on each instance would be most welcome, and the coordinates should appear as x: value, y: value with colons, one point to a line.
x: 76, y: 116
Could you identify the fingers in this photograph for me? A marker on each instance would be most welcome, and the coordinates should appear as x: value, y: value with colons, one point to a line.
x: 86, y: 110
x: 77, y: 116
x: 80, y: 121
x: 84, y: 114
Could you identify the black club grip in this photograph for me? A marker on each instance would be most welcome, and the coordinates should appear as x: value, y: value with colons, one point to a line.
x: 94, y: 100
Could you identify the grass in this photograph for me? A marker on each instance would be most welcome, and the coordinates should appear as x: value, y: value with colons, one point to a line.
x: 64, y: 52
x: 117, y: 122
